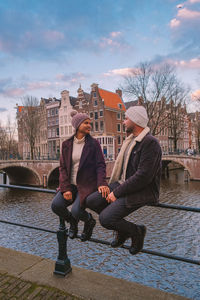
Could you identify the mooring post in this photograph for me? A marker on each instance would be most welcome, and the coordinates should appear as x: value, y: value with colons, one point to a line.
x: 4, y: 178
x: 62, y: 266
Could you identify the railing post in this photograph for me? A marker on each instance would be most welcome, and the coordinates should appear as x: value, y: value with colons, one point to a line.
x: 62, y: 266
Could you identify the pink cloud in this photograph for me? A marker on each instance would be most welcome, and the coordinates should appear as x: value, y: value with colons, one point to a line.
x: 186, y: 13
x: 38, y: 85
x: 195, y: 95
x: 14, y: 92
x: 53, y: 36
x: 193, y: 63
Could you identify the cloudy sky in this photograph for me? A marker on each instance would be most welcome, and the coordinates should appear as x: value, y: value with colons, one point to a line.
x: 47, y: 46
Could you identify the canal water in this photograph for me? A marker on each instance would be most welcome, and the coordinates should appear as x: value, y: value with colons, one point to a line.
x: 169, y: 231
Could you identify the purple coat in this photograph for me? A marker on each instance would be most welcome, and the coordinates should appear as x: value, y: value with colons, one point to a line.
x: 92, y: 168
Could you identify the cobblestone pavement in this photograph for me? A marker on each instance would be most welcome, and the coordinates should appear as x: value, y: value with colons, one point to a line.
x: 13, y: 288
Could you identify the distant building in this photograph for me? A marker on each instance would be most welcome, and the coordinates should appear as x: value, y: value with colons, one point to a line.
x: 66, y: 106
x: 106, y: 110
x: 53, y: 138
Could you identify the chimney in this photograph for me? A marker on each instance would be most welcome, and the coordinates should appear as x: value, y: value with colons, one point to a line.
x: 119, y: 92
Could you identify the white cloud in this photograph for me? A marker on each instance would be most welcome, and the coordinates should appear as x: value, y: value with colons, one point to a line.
x: 121, y: 72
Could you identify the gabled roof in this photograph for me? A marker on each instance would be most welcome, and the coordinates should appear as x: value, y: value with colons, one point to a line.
x: 111, y: 99
x: 72, y: 100
x: 131, y: 103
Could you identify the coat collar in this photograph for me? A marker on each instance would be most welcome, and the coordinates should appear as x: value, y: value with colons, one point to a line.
x: 142, y: 134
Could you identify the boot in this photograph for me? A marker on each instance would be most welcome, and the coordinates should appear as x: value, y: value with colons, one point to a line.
x: 138, y: 240
x: 118, y: 240
x: 88, y: 228
x: 73, y: 229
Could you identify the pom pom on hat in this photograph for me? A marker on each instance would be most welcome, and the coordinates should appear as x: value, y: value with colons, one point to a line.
x: 78, y: 118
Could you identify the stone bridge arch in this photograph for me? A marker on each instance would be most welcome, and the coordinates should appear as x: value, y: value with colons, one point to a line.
x: 21, y: 175
x: 191, y: 164
x: 53, y: 177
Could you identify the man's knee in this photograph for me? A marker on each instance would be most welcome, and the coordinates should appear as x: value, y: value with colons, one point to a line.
x: 105, y: 221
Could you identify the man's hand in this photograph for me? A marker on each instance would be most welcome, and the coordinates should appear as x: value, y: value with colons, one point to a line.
x: 67, y: 195
x: 111, y: 198
x: 104, y: 190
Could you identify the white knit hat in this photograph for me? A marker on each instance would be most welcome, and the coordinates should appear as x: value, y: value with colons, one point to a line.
x: 138, y: 115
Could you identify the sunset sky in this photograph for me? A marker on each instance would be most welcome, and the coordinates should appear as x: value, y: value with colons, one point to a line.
x: 47, y: 46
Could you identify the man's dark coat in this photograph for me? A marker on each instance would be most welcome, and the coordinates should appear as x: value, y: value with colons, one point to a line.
x: 143, y: 173
x: 92, y: 168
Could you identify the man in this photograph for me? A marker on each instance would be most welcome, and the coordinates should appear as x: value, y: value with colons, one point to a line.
x: 134, y: 182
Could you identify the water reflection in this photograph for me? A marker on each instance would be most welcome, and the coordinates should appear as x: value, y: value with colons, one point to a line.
x: 169, y: 231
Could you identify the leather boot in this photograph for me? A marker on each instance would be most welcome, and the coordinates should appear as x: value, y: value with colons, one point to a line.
x: 88, y: 228
x: 118, y: 240
x: 73, y: 229
x: 138, y: 240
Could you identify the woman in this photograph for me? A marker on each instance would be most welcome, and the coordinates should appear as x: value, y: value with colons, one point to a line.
x: 82, y: 172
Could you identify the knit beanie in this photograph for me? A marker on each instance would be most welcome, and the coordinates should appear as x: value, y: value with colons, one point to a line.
x: 78, y: 118
x: 138, y: 115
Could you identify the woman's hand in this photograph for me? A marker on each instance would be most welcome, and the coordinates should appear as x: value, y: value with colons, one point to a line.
x: 67, y: 195
x: 104, y: 190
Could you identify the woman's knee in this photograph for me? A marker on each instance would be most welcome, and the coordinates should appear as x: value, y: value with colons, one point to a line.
x: 57, y: 206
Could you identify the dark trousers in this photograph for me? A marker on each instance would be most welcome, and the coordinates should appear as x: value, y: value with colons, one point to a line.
x: 111, y: 215
x: 59, y: 207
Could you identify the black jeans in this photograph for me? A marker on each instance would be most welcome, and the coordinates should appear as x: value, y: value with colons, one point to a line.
x: 111, y: 215
x: 59, y: 207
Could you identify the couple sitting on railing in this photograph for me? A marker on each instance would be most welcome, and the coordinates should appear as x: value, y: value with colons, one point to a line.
x: 135, y: 179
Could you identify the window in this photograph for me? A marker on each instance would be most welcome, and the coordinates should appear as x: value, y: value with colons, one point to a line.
x: 118, y: 116
x: 92, y: 127
x: 101, y: 125
x: 101, y: 113
x: 124, y: 129
x: 57, y: 131
x: 66, y: 130
x: 56, y: 111
x: 62, y: 131
x: 96, y: 115
x: 119, y: 127
x: 80, y: 104
x: 95, y: 102
x: 95, y: 94
x: 52, y: 112
x: 96, y: 126
x: 48, y: 113
x: 56, y: 121
x: 119, y: 105
x: 91, y: 115
x: 119, y: 140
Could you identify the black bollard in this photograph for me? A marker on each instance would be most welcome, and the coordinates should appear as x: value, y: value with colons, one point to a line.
x: 62, y: 266
x: 4, y: 178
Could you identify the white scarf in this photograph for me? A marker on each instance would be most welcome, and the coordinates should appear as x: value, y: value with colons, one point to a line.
x: 117, y: 169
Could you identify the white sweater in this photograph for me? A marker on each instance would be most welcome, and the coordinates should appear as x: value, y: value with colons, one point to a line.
x: 76, y: 155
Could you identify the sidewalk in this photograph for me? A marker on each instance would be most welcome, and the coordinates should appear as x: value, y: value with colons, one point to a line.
x: 25, y: 276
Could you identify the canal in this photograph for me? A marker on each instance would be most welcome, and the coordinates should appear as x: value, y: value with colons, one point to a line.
x: 169, y: 231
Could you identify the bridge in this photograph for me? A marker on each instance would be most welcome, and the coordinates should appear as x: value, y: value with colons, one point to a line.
x: 46, y: 172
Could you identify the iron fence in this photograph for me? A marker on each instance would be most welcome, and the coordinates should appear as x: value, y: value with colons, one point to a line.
x: 62, y: 265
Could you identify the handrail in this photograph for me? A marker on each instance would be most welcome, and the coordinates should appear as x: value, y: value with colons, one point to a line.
x: 63, y: 266
x: 163, y: 205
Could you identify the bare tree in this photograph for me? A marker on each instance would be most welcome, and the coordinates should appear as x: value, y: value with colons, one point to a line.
x: 3, y: 139
x: 31, y: 121
x: 155, y: 87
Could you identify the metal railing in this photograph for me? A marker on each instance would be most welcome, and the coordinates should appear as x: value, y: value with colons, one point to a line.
x: 62, y: 265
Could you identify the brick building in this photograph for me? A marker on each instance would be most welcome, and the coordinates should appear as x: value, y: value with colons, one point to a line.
x: 106, y: 110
